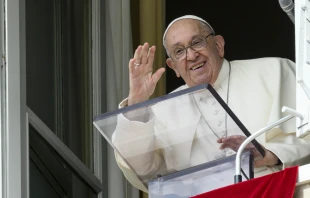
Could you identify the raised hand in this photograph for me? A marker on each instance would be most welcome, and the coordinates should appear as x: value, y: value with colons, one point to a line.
x: 233, y: 142
x: 141, y: 78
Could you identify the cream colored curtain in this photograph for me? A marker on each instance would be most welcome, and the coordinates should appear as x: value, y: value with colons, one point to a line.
x: 151, y: 30
x: 148, y: 23
x: 118, y: 51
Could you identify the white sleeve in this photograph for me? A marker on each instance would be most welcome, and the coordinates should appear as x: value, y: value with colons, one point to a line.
x: 134, y: 139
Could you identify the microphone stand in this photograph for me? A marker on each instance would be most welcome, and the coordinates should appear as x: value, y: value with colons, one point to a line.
x: 238, y: 177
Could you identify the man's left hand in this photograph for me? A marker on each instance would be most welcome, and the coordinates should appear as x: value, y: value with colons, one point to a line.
x: 233, y: 142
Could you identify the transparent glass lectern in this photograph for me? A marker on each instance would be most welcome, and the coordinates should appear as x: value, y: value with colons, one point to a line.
x: 169, y: 144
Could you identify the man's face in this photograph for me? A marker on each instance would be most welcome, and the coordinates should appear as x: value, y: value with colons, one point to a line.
x: 197, y: 67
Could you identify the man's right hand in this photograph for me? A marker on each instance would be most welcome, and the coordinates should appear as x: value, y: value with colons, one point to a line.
x: 141, y: 78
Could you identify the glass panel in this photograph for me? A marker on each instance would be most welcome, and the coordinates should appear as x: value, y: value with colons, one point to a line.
x: 58, y: 72
x: 199, y: 179
x: 170, y: 133
x: 40, y: 60
x: 77, y: 86
x: 39, y: 185
x: 50, y: 175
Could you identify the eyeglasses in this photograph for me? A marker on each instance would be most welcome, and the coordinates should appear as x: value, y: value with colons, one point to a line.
x: 179, y: 53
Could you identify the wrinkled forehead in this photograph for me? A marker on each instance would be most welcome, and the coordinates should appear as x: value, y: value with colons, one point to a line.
x: 183, y: 32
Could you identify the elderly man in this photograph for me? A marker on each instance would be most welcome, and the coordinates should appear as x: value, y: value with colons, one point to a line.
x: 255, y: 90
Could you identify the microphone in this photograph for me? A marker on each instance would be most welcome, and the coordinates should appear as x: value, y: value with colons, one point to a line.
x: 288, y: 7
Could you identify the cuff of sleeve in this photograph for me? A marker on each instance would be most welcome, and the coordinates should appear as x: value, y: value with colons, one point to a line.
x: 276, y: 149
x: 279, y: 162
x: 123, y: 103
x: 291, y: 151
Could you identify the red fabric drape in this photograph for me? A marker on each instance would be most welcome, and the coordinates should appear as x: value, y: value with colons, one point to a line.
x: 280, y: 184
